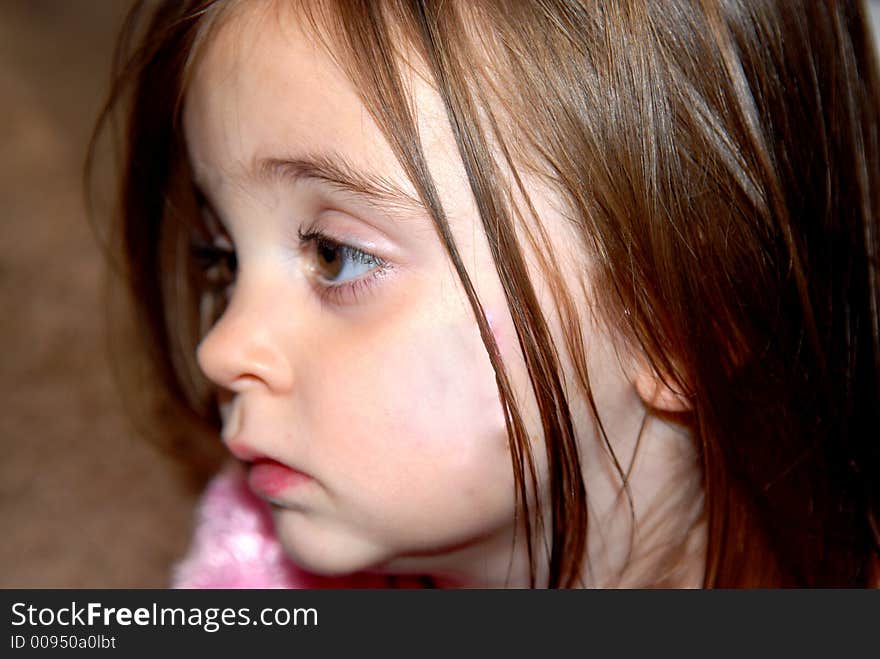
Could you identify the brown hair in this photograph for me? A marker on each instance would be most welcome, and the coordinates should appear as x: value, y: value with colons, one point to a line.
x: 720, y: 162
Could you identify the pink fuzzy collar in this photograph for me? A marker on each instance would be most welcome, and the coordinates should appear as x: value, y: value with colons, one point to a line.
x: 235, y: 546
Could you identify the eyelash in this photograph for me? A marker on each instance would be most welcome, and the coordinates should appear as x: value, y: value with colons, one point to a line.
x: 219, y: 266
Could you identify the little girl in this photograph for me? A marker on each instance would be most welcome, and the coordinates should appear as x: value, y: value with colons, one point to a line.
x: 495, y: 294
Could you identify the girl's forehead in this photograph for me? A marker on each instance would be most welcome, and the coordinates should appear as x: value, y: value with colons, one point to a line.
x: 264, y: 85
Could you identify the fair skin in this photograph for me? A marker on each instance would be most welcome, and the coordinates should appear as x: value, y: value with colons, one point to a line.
x: 354, y: 384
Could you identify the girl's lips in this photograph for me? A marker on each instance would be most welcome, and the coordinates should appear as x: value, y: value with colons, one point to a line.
x: 270, y: 478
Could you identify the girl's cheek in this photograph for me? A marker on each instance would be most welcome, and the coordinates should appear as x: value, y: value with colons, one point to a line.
x: 458, y: 386
x: 499, y: 331
x: 431, y: 383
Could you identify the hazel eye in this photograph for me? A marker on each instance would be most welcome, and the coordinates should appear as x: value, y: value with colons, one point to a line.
x: 211, y: 248
x: 341, y: 274
x: 217, y: 265
x: 337, y: 263
x: 216, y: 260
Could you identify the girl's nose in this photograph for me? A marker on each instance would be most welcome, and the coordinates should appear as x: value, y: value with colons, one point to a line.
x: 245, y: 346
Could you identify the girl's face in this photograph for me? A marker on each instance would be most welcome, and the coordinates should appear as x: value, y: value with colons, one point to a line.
x: 354, y: 381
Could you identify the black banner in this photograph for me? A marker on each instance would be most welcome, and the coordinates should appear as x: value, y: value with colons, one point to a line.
x: 411, y: 622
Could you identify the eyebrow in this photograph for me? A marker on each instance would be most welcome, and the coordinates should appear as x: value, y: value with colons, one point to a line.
x: 335, y: 171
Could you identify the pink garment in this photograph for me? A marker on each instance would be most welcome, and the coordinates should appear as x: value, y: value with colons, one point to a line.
x: 235, y: 547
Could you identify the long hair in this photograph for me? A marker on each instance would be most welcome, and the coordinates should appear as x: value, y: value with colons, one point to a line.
x: 720, y: 164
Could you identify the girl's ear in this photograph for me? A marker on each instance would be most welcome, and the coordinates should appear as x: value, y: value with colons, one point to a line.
x: 658, y: 393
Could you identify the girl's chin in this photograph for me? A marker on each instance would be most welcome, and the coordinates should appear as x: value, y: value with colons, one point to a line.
x: 322, y: 552
x: 324, y: 548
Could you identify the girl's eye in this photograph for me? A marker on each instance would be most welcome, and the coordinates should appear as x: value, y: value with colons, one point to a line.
x: 216, y: 267
x: 339, y: 263
x: 216, y: 260
x: 211, y: 248
x: 340, y: 270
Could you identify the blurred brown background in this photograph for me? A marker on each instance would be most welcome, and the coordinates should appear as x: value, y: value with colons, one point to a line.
x: 84, y: 501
